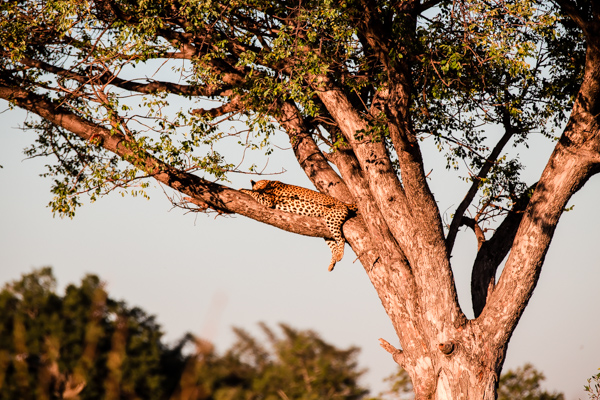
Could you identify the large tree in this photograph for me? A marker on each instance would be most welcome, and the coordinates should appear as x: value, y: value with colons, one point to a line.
x: 357, y: 88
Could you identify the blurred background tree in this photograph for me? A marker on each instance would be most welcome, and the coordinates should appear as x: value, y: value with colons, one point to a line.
x: 87, y: 345
x: 81, y: 343
x: 524, y: 383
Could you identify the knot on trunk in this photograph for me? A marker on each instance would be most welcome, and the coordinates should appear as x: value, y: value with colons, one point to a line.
x: 447, y: 348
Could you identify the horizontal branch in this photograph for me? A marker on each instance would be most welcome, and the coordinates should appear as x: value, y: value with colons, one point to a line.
x: 105, y: 77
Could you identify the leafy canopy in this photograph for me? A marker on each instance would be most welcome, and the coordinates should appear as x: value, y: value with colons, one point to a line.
x: 195, y: 84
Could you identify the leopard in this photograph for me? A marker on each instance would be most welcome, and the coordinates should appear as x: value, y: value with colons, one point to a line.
x: 307, y: 202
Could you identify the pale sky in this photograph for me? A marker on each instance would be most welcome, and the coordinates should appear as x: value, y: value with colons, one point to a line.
x: 204, y: 274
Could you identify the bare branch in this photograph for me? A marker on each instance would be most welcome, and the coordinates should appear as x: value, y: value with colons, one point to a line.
x: 396, y: 353
x: 106, y: 77
x: 466, y: 202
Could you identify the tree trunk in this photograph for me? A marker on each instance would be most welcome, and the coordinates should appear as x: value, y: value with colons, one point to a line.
x: 457, y: 363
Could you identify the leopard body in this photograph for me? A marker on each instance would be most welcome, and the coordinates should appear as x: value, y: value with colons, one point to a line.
x: 302, y: 201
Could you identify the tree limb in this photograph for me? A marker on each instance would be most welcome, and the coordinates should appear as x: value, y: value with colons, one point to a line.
x: 491, y: 253
x: 106, y: 77
x: 215, y: 196
x: 466, y: 202
x: 575, y: 159
x: 308, y: 154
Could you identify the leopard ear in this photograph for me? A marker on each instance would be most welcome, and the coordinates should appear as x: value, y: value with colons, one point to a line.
x: 260, y: 185
x: 252, y: 183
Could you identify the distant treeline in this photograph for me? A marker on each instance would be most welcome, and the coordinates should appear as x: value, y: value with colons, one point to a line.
x: 85, y: 345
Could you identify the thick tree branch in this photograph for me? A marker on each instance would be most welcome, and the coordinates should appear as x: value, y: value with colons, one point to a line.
x: 565, y: 174
x: 493, y: 251
x: 390, y: 272
x: 374, y: 221
x: 394, y: 100
x: 367, y: 234
x: 575, y: 159
x: 427, y: 258
x: 425, y: 247
x: 370, y: 151
x: 217, y: 197
x: 371, y: 27
x: 308, y: 154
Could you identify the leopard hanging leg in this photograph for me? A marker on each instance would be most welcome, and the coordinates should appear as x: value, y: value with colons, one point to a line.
x: 334, y: 221
x: 333, y: 247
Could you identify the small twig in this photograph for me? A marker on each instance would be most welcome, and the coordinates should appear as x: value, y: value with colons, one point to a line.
x: 397, y: 354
